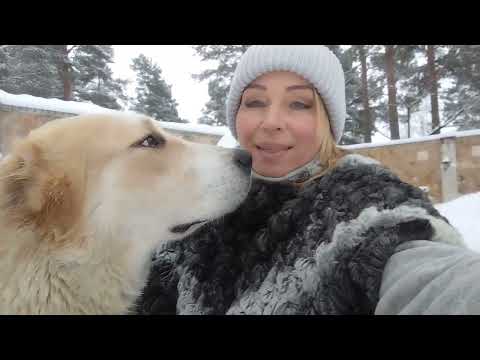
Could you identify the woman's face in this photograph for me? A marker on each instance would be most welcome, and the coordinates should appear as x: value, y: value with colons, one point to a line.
x: 277, y: 123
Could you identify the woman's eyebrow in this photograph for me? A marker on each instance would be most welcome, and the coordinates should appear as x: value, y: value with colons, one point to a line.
x: 289, y: 88
x: 299, y: 87
x: 256, y: 86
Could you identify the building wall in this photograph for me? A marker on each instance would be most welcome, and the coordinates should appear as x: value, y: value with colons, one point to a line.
x: 448, y: 167
x: 17, y: 124
x: 416, y: 163
x: 468, y: 164
x: 196, y: 137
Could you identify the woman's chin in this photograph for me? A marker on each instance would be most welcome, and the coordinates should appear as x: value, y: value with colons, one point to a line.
x: 270, y: 171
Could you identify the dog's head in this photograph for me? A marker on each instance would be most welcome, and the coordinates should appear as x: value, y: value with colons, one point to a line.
x: 117, y: 177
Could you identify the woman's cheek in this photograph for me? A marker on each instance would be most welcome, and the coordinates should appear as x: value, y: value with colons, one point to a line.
x: 245, y: 129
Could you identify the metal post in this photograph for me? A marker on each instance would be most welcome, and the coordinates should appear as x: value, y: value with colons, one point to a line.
x: 448, y: 169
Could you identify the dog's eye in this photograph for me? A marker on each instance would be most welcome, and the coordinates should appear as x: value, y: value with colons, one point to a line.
x: 150, y: 141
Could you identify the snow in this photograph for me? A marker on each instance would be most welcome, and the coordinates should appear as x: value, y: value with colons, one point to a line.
x: 228, y: 141
x: 454, y: 134
x: 199, y: 128
x: 34, y: 102
x: 78, y: 108
x: 464, y: 214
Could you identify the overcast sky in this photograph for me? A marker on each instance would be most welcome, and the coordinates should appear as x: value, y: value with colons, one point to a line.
x: 178, y: 63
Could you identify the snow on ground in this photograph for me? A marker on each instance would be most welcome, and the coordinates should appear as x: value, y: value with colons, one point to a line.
x: 464, y: 214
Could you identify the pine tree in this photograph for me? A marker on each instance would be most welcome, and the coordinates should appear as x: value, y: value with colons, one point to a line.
x: 462, y: 66
x: 392, y: 91
x: 367, y: 115
x: 411, y: 83
x: 417, y: 81
x: 30, y: 69
x: 214, y: 111
x: 153, y: 94
x: 363, y: 91
x: 433, y: 87
x: 68, y: 72
x: 399, y: 87
x: 94, y: 80
x: 62, y: 59
x: 219, y: 78
x: 3, y: 62
x: 349, y: 60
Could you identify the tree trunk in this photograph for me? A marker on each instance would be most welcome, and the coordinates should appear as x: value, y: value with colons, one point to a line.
x: 367, y: 118
x: 392, y: 91
x: 65, y: 70
x: 433, y: 85
x: 408, y: 122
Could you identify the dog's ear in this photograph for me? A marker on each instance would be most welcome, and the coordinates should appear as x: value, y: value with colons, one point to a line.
x: 34, y: 194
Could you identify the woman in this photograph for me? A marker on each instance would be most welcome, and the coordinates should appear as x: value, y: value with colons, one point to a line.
x: 322, y: 231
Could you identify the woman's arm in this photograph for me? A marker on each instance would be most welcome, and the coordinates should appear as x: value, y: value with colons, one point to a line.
x: 425, y: 277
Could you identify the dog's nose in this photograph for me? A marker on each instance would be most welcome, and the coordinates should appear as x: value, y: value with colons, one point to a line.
x: 243, y: 159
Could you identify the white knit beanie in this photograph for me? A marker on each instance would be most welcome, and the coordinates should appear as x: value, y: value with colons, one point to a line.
x: 315, y: 63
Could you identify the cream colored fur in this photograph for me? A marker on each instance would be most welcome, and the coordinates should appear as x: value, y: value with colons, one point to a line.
x: 82, y: 210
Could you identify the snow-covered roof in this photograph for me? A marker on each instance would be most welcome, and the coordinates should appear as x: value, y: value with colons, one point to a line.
x: 57, y: 105
x: 197, y: 128
x: 454, y: 134
x: 77, y: 108
x: 228, y: 141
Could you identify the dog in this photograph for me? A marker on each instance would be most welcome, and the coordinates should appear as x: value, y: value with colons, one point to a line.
x: 86, y: 200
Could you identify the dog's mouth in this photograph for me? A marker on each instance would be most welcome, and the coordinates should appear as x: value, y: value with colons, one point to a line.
x: 183, y: 228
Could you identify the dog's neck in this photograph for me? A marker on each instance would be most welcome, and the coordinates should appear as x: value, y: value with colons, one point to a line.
x: 75, y: 282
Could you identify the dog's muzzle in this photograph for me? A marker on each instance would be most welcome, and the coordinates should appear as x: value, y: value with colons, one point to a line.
x: 243, y: 159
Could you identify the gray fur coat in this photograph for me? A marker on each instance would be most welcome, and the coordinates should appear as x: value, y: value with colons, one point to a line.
x: 321, y: 249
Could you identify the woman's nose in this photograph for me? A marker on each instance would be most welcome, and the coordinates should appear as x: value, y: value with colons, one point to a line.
x: 273, y: 119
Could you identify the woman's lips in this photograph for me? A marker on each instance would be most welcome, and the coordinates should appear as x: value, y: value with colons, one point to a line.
x: 273, y: 148
x: 272, y: 151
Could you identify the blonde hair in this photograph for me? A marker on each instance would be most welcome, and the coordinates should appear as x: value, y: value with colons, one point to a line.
x: 329, y: 153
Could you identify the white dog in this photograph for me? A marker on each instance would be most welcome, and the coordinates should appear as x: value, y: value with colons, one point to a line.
x: 84, y: 202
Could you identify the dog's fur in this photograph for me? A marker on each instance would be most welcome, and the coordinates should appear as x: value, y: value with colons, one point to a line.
x: 83, y: 204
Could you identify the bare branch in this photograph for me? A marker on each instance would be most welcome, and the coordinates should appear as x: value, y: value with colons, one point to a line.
x: 73, y: 47
x: 381, y: 133
x: 449, y: 121
x: 445, y: 124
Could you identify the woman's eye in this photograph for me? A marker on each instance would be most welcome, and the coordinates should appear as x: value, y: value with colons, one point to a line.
x: 254, y: 104
x: 149, y: 142
x: 298, y: 105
